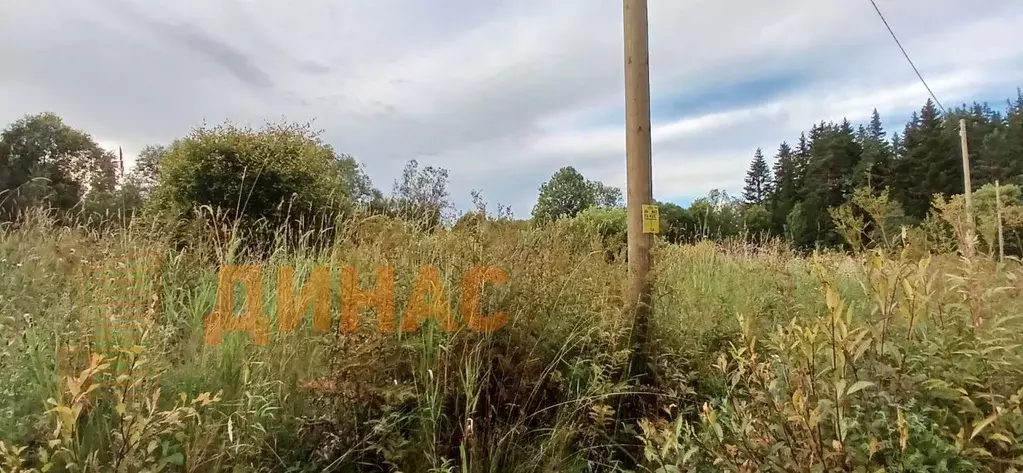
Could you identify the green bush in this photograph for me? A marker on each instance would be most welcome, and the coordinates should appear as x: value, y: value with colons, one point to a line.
x: 610, y: 226
x: 259, y: 179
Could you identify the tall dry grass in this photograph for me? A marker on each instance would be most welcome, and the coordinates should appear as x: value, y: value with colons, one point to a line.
x: 753, y: 344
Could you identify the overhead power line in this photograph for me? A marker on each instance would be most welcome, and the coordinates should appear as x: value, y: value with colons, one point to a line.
x: 904, y: 53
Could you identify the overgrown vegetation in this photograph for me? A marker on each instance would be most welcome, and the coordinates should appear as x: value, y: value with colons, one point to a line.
x: 903, y: 354
x: 765, y: 360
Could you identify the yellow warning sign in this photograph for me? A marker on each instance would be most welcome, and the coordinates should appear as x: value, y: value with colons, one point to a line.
x: 651, y: 219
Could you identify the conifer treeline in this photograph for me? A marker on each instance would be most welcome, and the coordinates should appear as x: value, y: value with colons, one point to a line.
x: 828, y: 162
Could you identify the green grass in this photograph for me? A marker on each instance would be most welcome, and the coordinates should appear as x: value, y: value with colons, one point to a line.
x: 754, y: 361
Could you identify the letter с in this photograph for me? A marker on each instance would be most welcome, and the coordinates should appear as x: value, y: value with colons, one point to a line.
x: 472, y: 288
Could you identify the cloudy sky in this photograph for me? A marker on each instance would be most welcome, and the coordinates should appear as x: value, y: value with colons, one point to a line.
x: 501, y: 94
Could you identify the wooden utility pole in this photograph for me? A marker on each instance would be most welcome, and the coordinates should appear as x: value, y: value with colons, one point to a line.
x: 968, y: 188
x: 639, y: 177
x: 998, y: 218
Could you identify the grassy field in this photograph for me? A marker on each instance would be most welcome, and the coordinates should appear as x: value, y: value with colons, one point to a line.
x: 765, y: 360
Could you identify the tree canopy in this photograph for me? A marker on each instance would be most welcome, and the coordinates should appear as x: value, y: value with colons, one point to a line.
x: 834, y: 173
x: 567, y: 193
x: 282, y: 172
x: 45, y: 161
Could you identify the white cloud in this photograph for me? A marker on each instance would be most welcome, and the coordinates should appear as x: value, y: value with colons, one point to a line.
x: 500, y: 95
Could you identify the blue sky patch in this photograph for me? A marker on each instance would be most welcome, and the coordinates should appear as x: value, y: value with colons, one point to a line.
x: 731, y: 96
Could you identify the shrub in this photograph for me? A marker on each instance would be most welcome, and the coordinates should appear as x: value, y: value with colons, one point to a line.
x: 281, y: 173
x: 609, y: 225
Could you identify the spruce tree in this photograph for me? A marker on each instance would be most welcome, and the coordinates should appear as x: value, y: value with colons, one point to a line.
x: 875, y: 130
x: 830, y: 160
x: 786, y: 186
x: 897, y: 150
x: 758, y: 180
x: 802, y: 162
x: 1013, y: 164
x: 1001, y: 155
x: 981, y: 122
x: 874, y: 168
x: 834, y: 154
x: 932, y: 164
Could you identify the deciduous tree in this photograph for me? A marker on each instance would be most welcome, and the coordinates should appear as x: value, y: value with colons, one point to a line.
x: 44, y: 161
